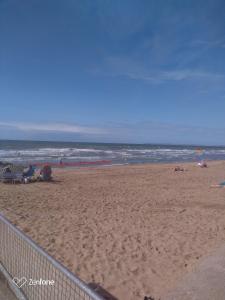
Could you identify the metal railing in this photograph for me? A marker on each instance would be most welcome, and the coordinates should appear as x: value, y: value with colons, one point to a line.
x: 35, y: 274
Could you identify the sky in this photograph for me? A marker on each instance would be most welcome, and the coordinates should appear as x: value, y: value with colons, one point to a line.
x: 113, y: 71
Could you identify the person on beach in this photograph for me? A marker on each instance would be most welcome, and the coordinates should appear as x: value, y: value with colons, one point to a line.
x: 29, y: 172
x: 178, y: 168
x: 45, y: 173
x: 220, y: 185
x: 202, y: 164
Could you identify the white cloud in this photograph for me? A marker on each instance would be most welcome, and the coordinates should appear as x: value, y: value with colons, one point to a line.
x: 140, y: 132
x: 208, y: 43
x: 176, y: 75
x: 57, y: 127
x: 135, y: 70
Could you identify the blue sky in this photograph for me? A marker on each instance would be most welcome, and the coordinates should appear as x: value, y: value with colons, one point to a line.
x: 113, y: 71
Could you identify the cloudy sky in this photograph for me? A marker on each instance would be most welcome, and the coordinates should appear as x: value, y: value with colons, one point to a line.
x: 113, y: 71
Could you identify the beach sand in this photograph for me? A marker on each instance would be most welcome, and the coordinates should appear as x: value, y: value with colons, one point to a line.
x: 135, y: 230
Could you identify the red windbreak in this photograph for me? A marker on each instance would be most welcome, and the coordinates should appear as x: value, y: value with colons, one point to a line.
x: 73, y: 164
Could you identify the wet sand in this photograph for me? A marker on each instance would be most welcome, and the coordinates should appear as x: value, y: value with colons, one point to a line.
x: 135, y: 230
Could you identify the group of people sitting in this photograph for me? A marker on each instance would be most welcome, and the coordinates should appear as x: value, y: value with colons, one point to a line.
x: 45, y: 174
x: 201, y: 164
x: 13, y: 173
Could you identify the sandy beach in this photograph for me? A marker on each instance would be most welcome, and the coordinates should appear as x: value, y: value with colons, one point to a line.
x: 136, y: 230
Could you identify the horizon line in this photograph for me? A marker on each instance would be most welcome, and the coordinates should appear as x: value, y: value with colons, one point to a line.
x: 116, y: 143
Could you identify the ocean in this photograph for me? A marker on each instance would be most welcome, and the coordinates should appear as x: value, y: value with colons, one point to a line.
x: 25, y: 152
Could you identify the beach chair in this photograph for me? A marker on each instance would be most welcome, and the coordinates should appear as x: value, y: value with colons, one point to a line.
x: 12, y: 174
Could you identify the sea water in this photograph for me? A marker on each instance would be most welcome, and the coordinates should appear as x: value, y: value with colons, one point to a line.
x: 37, y: 151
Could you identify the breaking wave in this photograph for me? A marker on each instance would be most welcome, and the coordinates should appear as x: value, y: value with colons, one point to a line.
x: 17, y: 151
